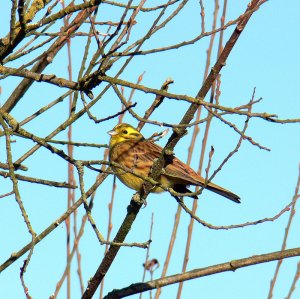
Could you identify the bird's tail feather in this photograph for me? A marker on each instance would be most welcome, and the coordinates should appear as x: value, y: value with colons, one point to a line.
x: 221, y: 191
x: 212, y: 187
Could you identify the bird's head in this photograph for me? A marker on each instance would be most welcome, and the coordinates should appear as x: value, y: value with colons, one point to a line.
x: 123, y: 132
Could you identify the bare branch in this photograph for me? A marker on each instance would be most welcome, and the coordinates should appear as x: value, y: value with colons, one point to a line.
x: 233, y: 265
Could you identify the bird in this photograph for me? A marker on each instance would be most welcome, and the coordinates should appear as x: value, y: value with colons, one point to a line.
x: 129, y: 149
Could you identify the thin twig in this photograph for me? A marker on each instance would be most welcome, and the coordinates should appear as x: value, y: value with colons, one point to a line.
x: 147, y: 251
x: 38, y: 180
x: 286, y: 234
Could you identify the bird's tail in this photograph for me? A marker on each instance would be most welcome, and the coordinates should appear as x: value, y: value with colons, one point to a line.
x: 212, y: 187
x: 221, y: 191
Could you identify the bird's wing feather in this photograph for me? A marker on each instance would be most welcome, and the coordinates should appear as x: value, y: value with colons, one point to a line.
x: 146, y: 152
x: 176, y: 169
x: 183, y: 173
x: 136, y: 155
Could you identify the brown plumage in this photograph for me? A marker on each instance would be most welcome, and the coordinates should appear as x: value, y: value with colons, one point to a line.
x: 130, y: 149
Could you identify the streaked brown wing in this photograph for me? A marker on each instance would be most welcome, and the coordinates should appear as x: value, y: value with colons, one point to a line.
x: 183, y: 173
x: 147, y: 151
x: 136, y: 155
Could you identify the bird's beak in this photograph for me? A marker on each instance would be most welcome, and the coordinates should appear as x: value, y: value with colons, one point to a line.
x: 112, y: 133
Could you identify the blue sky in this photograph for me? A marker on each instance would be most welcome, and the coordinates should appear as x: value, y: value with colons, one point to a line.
x: 266, y: 57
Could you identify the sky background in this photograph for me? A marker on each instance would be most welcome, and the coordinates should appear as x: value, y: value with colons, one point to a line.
x: 265, y: 57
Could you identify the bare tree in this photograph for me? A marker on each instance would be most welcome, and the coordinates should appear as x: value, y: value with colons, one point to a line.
x: 70, y: 65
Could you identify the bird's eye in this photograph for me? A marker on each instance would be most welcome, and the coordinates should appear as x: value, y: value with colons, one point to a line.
x: 125, y: 132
